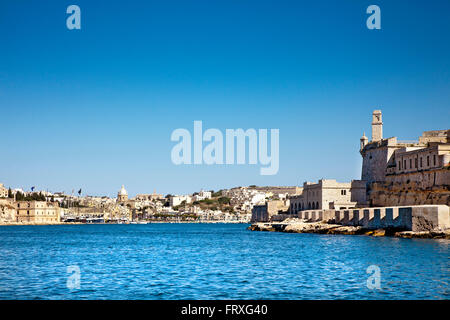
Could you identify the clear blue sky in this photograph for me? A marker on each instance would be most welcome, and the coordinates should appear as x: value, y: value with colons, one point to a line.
x: 94, y: 108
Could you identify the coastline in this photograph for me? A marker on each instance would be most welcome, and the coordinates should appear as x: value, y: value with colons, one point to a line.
x: 302, y: 226
x: 38, y: 223
x: 132, y: 223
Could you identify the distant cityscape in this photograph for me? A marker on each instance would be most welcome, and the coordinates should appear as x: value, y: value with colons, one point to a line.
x: 229, y: 205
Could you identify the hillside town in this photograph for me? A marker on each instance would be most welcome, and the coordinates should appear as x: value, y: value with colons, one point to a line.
x: 42, y: 207
x: 394, y: 174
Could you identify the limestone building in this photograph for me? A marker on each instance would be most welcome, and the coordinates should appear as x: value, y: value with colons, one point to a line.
x: 329, y: 194
x: 392, y: 168
x: 384, y: 157
x: 37, y: 212
x: 122, y: 195
x: 202, y: 195
x: 264, y: 212
x: 149, y: 197
x: 177, y: 200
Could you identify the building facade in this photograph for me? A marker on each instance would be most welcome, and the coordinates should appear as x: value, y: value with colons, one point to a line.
x: 37, y: 212
x: 387, y: 157
x: 329, y: 194
x: 264, y: 212
x: 406, y: 172
x: 202, y: 195
x: 177, y: 200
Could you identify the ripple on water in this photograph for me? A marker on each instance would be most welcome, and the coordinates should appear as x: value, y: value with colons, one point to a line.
x: 217, y: 261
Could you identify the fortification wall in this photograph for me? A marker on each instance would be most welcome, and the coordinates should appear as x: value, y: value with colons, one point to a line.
x: 424, y: 180
x: 410, y: 218
x: 374, y: 164
x: 418, y: 188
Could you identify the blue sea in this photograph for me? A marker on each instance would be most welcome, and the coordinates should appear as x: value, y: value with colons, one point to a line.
x: 215, y: 261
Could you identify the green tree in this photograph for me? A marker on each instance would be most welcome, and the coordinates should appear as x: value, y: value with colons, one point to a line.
x: 216, y: 194
x: 19, y: 196
x: 224, y: 200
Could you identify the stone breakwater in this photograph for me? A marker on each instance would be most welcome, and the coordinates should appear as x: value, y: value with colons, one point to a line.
x: 293, y: 225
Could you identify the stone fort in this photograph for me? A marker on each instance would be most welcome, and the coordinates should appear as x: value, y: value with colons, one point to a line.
x: 404, y: 185
x: 406, y: 172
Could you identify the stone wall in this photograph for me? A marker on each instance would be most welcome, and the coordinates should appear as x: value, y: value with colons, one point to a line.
x: 265, y: 212
x: 410, y: 218
x: 376, y: 156
x: 416, y: 188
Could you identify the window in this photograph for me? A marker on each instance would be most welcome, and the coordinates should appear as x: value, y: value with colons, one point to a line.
x: 399, y: 165
x: 428, y: 161
x: 410, y: 163
x: 434, y: 159
x: 421, y: 164
x: 404, y: 164
x: 415, y: 160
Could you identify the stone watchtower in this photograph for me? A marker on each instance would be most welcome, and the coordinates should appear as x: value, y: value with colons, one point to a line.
x: 377, y: 126
x: 376, y: 153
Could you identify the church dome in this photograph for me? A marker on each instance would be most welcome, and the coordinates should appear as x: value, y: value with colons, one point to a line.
x: 122, y: 191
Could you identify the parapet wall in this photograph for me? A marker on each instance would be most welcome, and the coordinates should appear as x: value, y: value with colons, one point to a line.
x: 411, y: 218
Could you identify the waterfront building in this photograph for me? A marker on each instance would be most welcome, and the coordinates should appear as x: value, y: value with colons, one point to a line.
x: 264, y: 212
x: 329, y: 194
x: 37, y: 212
x: 387, y: 157
x: 406, y: 172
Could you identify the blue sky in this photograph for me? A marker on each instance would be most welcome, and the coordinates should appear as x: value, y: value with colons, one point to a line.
x: 94, y: 108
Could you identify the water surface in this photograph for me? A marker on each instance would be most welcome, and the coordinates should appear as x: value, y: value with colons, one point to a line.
x: 214, y: 261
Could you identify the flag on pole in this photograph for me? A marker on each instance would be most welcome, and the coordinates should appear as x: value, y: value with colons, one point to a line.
x: 79, y: 192
x: 32, y: 188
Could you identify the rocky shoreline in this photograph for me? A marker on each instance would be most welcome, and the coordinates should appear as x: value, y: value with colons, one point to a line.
x: 302, y: 226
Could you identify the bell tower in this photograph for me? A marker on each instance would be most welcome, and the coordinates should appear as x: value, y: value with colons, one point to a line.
x: 377, y: 126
